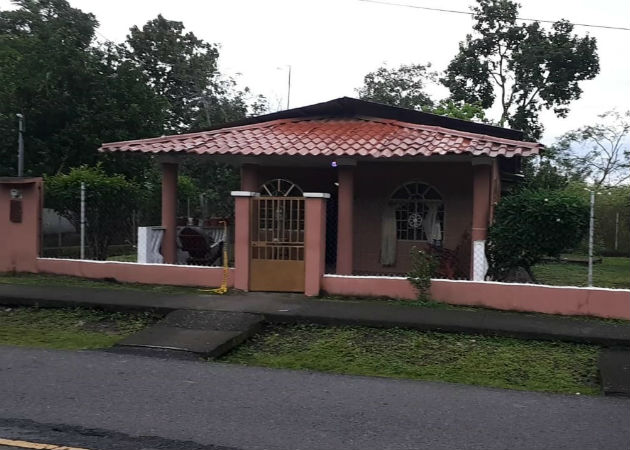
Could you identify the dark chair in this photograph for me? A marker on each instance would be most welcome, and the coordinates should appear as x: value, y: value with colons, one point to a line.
x: 201, y: 249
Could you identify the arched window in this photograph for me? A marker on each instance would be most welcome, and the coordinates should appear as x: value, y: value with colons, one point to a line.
x: 280, y: 187
x: 419, y: 212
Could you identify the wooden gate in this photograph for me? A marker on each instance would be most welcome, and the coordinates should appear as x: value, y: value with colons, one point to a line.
x: 277, y: 244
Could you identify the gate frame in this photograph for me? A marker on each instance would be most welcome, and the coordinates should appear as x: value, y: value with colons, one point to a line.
x: 314, y: 239
x: 268, y: 273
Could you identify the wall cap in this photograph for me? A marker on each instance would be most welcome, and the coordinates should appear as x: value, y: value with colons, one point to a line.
x: 244, y: 194
x: 316, y: 195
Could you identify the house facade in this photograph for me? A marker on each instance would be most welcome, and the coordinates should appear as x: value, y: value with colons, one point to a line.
x: 348, y: 187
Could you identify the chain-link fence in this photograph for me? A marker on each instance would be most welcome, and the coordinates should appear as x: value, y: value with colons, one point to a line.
x: 113, y: 231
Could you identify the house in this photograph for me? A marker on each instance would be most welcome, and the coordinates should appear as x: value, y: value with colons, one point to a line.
x: 348, y: 187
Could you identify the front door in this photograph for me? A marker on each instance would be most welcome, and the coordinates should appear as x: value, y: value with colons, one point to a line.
x: 277, y: 244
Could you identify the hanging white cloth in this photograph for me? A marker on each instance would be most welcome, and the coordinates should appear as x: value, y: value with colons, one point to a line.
x: 388, y: 236
x: 428, y: 223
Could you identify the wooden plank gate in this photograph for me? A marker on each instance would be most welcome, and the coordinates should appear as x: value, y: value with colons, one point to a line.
x: 277, y: 244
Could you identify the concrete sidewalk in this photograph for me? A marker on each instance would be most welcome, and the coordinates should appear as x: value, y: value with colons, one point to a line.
x: 286, y: 308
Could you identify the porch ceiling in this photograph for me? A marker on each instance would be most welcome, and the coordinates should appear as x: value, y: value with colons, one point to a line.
x: 333, y: 137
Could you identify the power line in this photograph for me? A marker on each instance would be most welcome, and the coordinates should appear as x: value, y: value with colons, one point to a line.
x: 468, y: 13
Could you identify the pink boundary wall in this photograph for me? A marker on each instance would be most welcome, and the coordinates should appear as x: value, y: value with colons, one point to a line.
x: 565, y: 300
x: 137, y: 273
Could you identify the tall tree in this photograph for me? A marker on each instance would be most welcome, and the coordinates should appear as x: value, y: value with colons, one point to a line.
x: 73, y: 94
x: 406, y: 86
x: 522, y: 67
x: 180, y: 67
x: 598, y: 152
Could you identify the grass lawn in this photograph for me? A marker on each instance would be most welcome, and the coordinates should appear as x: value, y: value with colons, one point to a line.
x: 485, y: 361
x: 68, y: 328
x: 612, y: 272
x: 32, y: 279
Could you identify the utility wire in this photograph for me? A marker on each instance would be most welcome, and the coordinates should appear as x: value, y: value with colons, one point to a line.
x: 453, y: 11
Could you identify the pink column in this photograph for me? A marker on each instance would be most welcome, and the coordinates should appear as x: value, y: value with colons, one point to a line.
x: 242, y: 235
x: 169, y: 212
x: 20, y: 223
x: 249, y: 177
x: 314, y: 242
x: 345, y: 227
x: 482, y: 172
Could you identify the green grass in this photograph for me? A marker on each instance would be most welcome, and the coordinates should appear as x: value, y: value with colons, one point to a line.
x: 612, y: 272
x: 124, y: 258
x: 62, y: 280
x: 485, y: 361
x: 70, y: 329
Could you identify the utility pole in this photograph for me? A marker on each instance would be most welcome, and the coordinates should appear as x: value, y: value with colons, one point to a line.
x: 289, y: 89
x: 20, y: 145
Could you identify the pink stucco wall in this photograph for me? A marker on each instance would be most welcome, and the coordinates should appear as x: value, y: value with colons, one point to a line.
x: 598, y: 302
x: 375, y: 183
x: 20, y: 242
x: 136, y: 273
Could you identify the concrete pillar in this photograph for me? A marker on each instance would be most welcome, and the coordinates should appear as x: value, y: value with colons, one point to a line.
x: 249, y: 177
x: 314, y: 241
x: 20, y: 223
x: 169, y: 212
x: 345, y: 223
x: 242, y: 237
x: 482, y: 199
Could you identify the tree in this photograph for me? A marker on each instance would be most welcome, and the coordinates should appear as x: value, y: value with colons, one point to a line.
x: 180, y: 67
x: 182, y: 70
x: 599, y: 152
x: 525, y: 66
x: 531, y: 224
x: 73, y: 94
x: 111, y: 202
x: 405, y: 87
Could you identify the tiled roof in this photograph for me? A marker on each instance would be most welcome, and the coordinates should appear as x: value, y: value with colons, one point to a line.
x: 356, y: 136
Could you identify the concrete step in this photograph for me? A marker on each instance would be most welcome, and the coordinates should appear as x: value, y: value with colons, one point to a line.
x: 614, y: 370
x: 204, y: 333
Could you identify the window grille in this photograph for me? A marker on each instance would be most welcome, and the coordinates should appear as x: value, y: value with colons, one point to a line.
x: 419, y: 213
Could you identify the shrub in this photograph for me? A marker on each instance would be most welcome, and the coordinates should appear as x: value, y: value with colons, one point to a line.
x: 532, y: 224
x: 110, y: 202
x: 423, y: 267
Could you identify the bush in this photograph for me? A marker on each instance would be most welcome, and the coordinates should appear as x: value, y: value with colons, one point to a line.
x: 110, y: 202
x: 532, y: 224
x: 423, y: 267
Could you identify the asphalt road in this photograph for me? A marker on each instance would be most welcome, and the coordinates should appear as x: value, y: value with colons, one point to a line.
x: 111, y: 401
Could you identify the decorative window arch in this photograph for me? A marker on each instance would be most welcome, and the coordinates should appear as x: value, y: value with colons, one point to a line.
x: 280, y: 187
x: 419, y: 212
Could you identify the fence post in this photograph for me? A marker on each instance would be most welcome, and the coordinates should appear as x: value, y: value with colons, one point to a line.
x: 82, y: 220
x: 590, y: 239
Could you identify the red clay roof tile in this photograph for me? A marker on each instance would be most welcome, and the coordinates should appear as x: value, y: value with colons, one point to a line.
x: 358, y: 136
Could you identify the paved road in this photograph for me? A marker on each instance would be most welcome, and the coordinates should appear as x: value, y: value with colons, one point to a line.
x: 160, y: 403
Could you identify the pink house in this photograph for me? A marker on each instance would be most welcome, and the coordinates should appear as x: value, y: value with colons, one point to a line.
x: 332, y: 198
x: 348, y: 187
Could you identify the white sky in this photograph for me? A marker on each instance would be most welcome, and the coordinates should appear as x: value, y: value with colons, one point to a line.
x: 332, y: 44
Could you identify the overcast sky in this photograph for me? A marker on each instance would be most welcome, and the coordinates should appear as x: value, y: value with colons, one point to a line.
x: 332, y: 44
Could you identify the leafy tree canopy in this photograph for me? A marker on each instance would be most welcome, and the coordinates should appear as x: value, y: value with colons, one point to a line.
x: 182, y: 69
x: 522, y: 67
x: 405, y: 87
x: 73, y: 93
